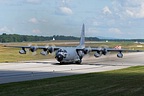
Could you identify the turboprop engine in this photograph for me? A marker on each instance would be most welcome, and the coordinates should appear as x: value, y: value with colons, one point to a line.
x: 61, y: 54
x: 120, y: 55
x: 44, y: 52
x: 33, y: 48
x: 50, y: 49
x: 47, y: 50
x: 86, y: 50
x: 98, y: 54
x: 22, y: 51
x: 104, y: 51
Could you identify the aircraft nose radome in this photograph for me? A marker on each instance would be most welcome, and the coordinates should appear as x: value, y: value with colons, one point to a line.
x: 59, y: 57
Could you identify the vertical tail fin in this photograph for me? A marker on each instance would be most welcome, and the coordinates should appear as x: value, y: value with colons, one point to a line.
x: 82, y: 40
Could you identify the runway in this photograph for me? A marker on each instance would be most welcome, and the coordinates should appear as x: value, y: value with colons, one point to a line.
x: 38, y: 69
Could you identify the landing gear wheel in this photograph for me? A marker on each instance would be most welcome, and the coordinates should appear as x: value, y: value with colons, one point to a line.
x: 61, y: 63
x: 78, y: 62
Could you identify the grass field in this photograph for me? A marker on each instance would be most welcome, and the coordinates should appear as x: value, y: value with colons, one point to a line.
x: 8, y: 54
x: 124, y: 82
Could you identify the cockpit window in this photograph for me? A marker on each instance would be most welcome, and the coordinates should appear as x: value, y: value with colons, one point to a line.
x: 61, y: 50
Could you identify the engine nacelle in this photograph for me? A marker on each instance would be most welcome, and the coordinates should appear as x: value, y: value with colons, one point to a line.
x: 120, y: 55
x: 97, y: 54
x: 43, y: 53
x: 22, y: 51
x: 61, y: 54
x: 59, y: 57
x: 33, y: 48
x: 50, y: 49
x: 86, y: 50
x: 104, y: 51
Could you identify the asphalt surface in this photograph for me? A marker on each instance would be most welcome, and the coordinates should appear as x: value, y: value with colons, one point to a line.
x: 39, y: 69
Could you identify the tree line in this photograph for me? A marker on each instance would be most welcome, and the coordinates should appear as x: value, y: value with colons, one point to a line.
x: 29, y: 38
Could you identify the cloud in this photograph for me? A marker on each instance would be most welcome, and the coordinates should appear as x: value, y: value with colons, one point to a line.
x: 63, y: 7
x: 106, y: 10
x: 129, y: 8
x: 5, y: 29
x: 64, y: 11
x: 140, y: 13
x: 136, y: 12
x: 115, y: 30
x: 129, y: 12
x: 33, y: 20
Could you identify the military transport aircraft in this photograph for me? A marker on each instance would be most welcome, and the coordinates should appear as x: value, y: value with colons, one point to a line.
x: 73, y: 54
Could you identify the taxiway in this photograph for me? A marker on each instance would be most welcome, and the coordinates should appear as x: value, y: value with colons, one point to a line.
x: 39, y: 69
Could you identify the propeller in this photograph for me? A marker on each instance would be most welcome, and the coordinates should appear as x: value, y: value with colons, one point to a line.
x: 45, y: 51
x: 87, y: 51
x: 32, y: 49
x: 28, y: 50
x: 51, y: 49
x: 104, y: 48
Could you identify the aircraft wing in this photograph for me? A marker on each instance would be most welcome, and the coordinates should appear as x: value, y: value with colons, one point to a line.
x: 46, y: 49
x: 113, y: 50
x: 17, y: 46
x: 103, y: 51
x: 106, y: 49
x: 38, y: 47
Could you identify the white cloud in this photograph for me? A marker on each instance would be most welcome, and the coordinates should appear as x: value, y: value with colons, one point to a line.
x: 33, y: 20
x: 129, y: 8
x: 106, y: 10
x: 140, y: 13
x: 63, y: 7
x: 129, y: 12
x: 115, y: 31
x: 5, y: 29
x: 65, y: 11
x: 136, y: 12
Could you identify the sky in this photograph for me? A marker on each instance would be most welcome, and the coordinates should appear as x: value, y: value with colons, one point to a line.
x: 107, y: 18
